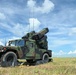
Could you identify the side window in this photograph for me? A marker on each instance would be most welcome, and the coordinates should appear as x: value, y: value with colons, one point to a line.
x: 20, y: 43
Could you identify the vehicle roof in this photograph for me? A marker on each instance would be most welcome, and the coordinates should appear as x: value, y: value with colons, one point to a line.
x: 15, y: 39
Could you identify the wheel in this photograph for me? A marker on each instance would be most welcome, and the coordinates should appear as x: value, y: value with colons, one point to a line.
x: 9, y: 59
x: 45, y: 58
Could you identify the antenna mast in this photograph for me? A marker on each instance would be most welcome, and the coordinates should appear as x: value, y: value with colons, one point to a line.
x: 33, y: 18
x: 5, y: 41
x: 31, y: 12
x: 29, y: 24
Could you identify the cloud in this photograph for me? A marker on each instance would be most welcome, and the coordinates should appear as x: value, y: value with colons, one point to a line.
x: 46, y: 7
x: 2, y: 16
x: 62, y: 18
x: 60, y: 53
x: 11, y: 38
x: 20, y: 29
x: 1, y: 43
x: 34, y: 22
x: 15, y: 21
x: 57, y: 43
x: 61, y: 42
x: 56, y: 31
x: 72, y: 31
x: 72, y: 52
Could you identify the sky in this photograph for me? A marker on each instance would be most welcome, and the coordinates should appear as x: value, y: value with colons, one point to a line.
x: 17, y: 17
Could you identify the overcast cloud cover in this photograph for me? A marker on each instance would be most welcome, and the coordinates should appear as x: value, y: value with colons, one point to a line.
x: 58, y: 15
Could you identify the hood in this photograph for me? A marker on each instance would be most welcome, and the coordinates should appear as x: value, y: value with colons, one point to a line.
x: 10, y: 47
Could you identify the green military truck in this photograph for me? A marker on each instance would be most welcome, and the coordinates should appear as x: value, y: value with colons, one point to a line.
x: 33, y: 47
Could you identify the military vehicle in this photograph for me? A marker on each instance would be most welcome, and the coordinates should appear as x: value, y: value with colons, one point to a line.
x: 33, y: 47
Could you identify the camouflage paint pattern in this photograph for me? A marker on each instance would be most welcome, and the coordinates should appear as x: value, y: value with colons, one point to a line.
x: 15, y: 48
x: 35, y: 45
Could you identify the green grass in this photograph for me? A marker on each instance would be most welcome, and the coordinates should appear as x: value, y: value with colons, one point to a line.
x: 59, y: 66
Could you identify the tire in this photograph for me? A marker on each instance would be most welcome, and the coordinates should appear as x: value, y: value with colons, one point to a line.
x: 9, y: 59
x: 45, y: 58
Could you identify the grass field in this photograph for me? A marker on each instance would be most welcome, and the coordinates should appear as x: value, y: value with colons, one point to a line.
x: 59, y: 66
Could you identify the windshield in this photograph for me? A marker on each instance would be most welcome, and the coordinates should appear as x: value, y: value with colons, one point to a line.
x: 16, y: 43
